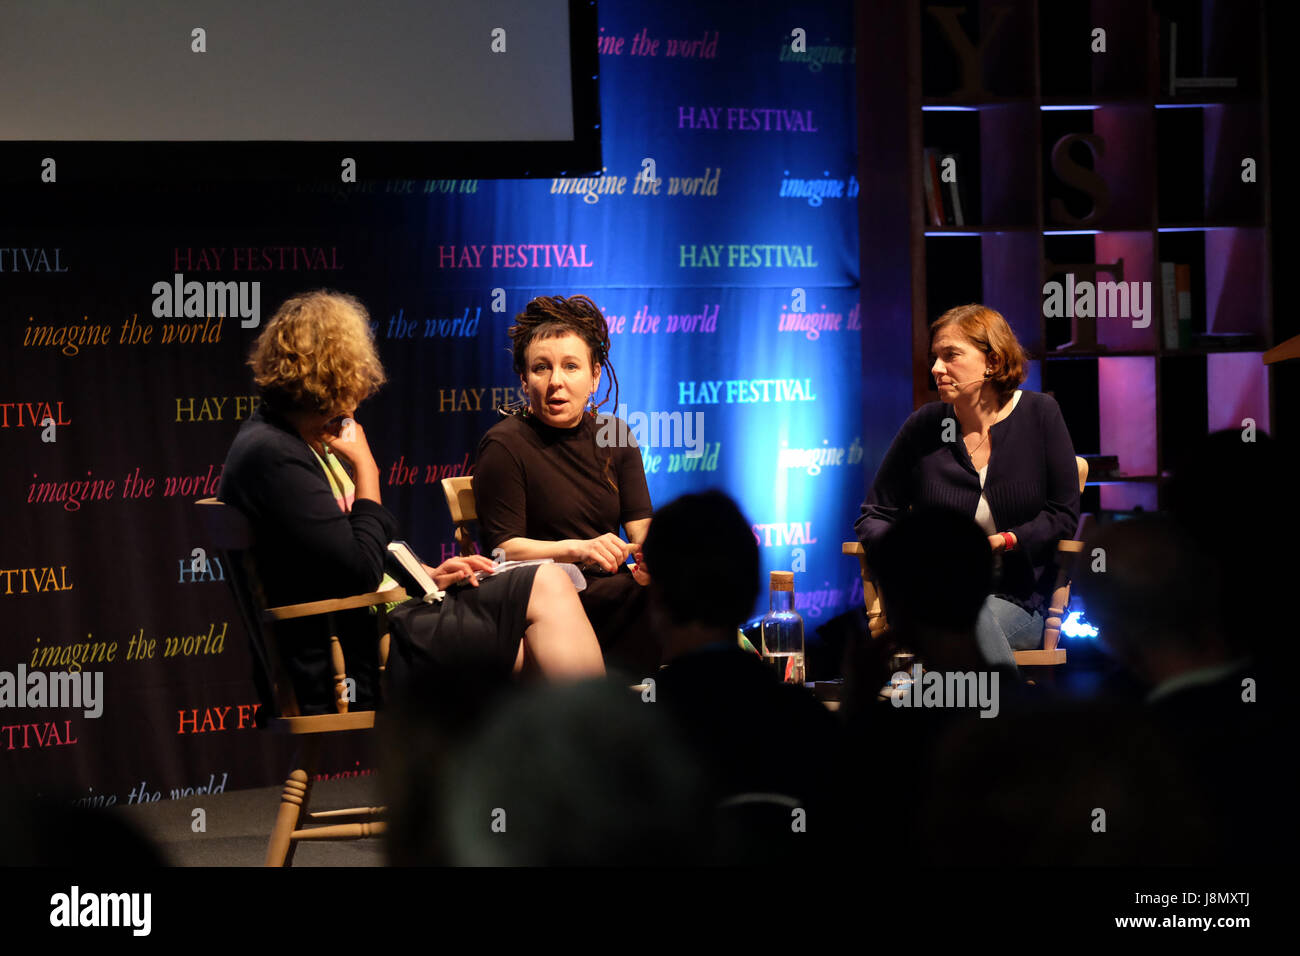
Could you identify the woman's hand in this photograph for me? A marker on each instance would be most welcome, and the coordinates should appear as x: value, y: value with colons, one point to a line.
x: 463, y: 568
x: 639, y: 572
x: 347, y: 439
x: 997, y: 542
x: 606, y: 552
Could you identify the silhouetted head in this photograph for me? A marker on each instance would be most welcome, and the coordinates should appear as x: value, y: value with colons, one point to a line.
x: 1153, y: 593
x: 703, y: 561
x: 1230, y: 495
x: 1103, y: 787
x: 934, y: 569
x: 576, y: 774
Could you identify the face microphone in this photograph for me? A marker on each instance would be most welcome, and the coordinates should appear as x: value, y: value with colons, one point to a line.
x: 971, y: 382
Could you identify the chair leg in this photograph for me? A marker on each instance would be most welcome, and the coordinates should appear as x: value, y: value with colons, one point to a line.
x: 383, y: 654
x: 294, y: 800
x: 340, y: 675
x: 1043, y: 675
x: 1052, y: 628
x: 876, y: 622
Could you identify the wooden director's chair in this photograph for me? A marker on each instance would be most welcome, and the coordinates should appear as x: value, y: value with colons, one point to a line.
x: 460, y: 502
x: 232, y: 536
x: 1067, y: 551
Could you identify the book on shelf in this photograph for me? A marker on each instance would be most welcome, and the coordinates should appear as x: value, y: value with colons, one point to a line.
x: 1176, y: 304
x: 1169, y: 304
x: 933, y: 190
x: 1170, y: 31
x: 1183, y: 279
x: 1224, y: 341
x: 1207, y: 82
x: 954, y: 208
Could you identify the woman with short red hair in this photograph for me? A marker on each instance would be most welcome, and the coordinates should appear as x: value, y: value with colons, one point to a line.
x: 1001, y: 455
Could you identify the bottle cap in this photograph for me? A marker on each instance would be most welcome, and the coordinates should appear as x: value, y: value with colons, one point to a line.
x: 782, y: 580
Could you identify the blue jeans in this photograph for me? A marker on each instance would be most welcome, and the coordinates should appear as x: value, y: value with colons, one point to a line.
x: 1003, y: 627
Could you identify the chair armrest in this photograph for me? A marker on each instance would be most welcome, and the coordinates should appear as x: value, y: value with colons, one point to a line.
x: 313, y: 608
x: 870, y: 596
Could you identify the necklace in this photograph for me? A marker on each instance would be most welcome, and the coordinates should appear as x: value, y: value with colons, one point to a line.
x: 1000, y: 415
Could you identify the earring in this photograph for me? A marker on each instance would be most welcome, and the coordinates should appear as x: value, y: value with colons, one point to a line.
x: 591, y: 402
x: 988, y: 372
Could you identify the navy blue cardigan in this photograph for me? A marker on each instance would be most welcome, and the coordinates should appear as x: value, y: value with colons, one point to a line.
x: 307, y: 549
x: 1032, y: 486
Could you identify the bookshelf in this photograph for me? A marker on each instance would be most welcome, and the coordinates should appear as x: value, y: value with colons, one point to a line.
x: 1073, y: 160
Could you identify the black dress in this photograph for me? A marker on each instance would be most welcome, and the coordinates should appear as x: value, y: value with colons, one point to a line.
x: 307, y: 548
x: 532, y: 480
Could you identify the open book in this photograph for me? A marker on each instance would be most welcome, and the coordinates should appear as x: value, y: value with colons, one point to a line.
x: 415, y: 568
x: 579, y: 582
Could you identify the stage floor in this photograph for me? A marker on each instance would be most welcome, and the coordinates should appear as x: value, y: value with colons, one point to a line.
x: 239, y: 825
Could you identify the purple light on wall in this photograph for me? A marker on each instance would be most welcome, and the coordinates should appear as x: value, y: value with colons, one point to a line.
x: 1126, y: 395
x: 1237, y: 387
x: 1234, y: 280
x: 1128, y: 497
x: 1127, y: 132
x: 1117, y: 332
x: 1005, y: 259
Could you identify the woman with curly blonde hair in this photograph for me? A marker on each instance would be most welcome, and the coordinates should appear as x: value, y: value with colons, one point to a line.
x: 302, y: 472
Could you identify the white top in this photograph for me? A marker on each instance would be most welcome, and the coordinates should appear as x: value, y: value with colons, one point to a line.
x: 984, y: 516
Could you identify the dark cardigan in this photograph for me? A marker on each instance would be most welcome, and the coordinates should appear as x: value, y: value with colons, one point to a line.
x: 307, y: 549
x: 1032, y: 486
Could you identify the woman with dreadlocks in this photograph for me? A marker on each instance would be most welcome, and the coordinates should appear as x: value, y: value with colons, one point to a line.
x: 556, y: 480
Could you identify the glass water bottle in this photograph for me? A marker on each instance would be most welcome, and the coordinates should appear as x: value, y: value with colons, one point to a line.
x: 782, y: 630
